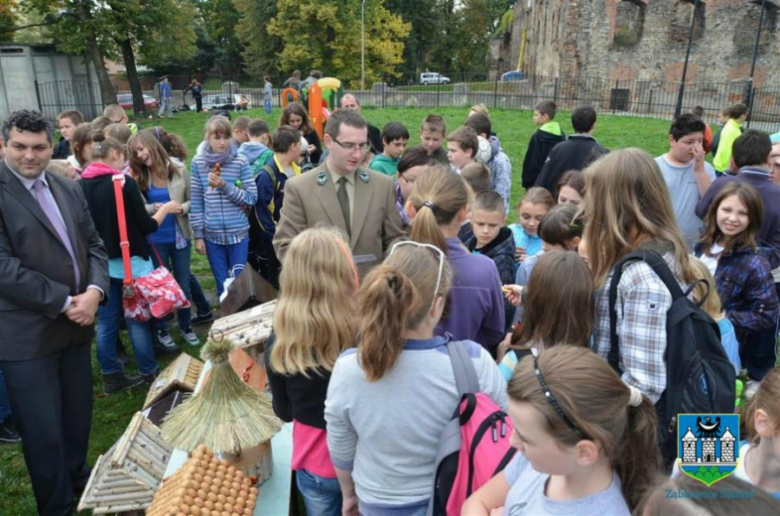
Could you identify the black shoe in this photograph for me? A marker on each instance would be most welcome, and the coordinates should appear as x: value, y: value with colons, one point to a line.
x: 117, y: 382
x: 149, y: 379
x: 204, y: 318
x: 8, y: 433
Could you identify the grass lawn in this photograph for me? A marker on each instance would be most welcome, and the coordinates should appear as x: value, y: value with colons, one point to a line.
x: 112, y: 414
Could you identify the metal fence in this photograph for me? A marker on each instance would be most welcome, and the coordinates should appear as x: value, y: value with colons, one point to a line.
x: 656, y: 99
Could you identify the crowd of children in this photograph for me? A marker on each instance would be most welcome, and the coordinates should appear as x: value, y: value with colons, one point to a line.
x: 559, y: 331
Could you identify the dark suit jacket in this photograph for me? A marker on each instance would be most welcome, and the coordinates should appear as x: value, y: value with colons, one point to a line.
x: 36, y: 271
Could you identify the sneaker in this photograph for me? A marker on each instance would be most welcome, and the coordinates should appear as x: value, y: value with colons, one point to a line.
x: 203, y: 318
x: 165, y: 339
x: 149, y: 379
x: 750, y: 388
x: 190, y: 337
x: 117, y: 382
x: 8, y: 433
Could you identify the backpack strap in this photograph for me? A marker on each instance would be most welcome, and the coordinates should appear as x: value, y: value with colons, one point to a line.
x: 465, y: 374
x: 271, y: 174
x: 661, y: 268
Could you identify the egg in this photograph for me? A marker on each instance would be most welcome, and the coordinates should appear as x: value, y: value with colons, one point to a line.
x: 184, y: 508
x: 198, y: 501
x: 218, y: 506
x: 233, y: 491
x: 197, y: 477
x: 209, y: 504
x: 229, y: 507
x: 253, y: 491
x: 239, y: 474
x: 214, y: 489
x: 201, y: 494
x: 247, y: 512
x: 224, y: 490
x: 208, y: 480
x: 176, y: 500
x: 195, y: 510
x: 188, y: 500
x: 212, y: 497
x: 217, y: 481
x: 205, y: 512
x: 240, y: 501
x: 221, y: 498
x: 220, y: 475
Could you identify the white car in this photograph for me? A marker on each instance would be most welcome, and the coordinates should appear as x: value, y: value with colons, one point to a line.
x: 221, y: 101
x: 433, y: 78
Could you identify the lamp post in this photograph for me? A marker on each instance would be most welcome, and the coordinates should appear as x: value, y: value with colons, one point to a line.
x: 363, y: 45
x: 750, y: 92
x: 681, y: 92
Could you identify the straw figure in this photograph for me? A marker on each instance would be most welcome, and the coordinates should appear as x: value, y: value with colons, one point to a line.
x: 226, y: 415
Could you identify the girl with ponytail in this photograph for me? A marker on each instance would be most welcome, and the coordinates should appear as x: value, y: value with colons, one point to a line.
x: 587, y: 440
x: 390, y: 399
x: 438, y: 205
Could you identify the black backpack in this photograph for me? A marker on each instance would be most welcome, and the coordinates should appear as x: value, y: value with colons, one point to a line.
x: 699, y: 376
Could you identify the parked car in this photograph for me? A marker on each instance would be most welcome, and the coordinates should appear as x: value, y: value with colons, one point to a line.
x: 222, y: 101
x: 126, y: 101
x: 514, y: 75
x: 433, y: 78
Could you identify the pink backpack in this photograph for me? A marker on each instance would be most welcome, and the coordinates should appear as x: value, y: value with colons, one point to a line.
x: 474, y: 445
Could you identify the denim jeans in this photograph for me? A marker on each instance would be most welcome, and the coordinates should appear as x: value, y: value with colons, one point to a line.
x: 222, y: 259
x: 5, y: 405
x: 165, y: 105
x: 109, y: 316
x: 321, y: 495
x: 267, y: 107
x: 198, y: 297
x: 178, y: 262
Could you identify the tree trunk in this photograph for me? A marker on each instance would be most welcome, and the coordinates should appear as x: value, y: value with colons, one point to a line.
x: 132, y: 75
x: 107, y: 91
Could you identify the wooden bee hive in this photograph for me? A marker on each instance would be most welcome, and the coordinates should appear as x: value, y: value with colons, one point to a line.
x: 126, y: 478
x: 205, y: 486
x: 181, y: 374
x: 248, y: 329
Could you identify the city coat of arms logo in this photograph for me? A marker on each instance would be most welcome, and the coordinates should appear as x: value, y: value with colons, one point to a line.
x: 708, y: 445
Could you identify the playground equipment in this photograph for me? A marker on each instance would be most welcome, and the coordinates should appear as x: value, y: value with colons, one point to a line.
x: 324, y: 94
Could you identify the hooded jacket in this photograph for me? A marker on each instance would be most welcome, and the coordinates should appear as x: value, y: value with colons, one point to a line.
x: 500, y: 171
x: 539, y: 147
x: 502, y: 251
x: 576, y: 153
x: 253, y: 151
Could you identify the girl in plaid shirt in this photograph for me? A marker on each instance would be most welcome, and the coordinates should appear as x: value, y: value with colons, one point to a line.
x: 743, y: 273
x: 628, y: 207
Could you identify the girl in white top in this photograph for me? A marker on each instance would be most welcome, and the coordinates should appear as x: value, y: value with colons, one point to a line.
x: 587, y: 441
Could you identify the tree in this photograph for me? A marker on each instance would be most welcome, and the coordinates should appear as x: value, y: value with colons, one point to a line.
x: 220, y: 20
x: 326, y: 35
x: 425, y: 19
x: 261, y: 49
x: 8, y: 20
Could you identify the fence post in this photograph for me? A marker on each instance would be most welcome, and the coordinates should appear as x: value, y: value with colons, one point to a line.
x: 495, y: 93
x: 617, y: 84
x: 38, y: 96
x: 555, y: 90
x: 650, y: 102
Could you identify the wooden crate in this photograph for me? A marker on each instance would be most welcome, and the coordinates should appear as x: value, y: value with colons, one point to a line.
x: 127, y: 476
x: 181, y: 374
x: 205, y: 482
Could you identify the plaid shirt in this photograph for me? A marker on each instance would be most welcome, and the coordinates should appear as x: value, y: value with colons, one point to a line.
x: 747, y: 289
x: 642, y: 303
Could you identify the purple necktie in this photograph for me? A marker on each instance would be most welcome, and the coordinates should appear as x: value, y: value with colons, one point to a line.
x: 51, y: 211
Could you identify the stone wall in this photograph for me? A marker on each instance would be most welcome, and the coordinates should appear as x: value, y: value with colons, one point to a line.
x: 646, y: 39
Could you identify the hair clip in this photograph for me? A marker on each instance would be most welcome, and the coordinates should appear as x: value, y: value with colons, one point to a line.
x: 392, y: 282
x: 554, y: 402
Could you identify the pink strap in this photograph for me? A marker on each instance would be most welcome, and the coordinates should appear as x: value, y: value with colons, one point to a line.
x: 123, y: 242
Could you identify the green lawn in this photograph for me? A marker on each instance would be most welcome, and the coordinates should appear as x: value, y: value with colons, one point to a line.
x: 514, y: 128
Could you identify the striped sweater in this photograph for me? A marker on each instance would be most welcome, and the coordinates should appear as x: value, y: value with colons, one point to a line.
x: 220, y: 214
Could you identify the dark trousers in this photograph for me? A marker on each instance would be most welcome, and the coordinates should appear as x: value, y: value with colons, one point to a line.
x: 51, y: 400
x: 198, y: 103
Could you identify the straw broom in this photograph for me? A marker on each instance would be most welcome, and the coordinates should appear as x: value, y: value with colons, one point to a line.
x: 227, y: 415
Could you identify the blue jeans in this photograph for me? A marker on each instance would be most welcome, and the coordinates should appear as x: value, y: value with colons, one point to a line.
x: 5, y: 405
x: 321, y: 495
x: 109, y: 316
x: 267, y: 107
x: 198, y: 297
x: 178, y: 262
x: 222, y: 259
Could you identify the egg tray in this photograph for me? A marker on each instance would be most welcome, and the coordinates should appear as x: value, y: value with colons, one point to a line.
x: 205, y: 486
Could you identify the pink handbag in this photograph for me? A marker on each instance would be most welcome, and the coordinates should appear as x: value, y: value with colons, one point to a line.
x: 153, y: 295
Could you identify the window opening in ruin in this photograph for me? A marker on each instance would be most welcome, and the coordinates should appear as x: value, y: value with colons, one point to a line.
x: 629, y: 22
x: 745, y: 37
x: 681, y: 20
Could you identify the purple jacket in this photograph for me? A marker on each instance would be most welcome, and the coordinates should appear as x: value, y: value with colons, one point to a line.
x: 758, y: 178
x: 476, y: 308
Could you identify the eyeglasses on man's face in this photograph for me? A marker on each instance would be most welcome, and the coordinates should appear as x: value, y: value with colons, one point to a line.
x: 352, y: 146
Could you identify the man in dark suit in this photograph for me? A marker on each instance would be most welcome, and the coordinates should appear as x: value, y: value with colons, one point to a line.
x: 53, y: 273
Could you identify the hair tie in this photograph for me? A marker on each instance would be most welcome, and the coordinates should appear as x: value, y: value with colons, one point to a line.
x: 635, y: 398
x: 429, y: 204
x: 392, y: 282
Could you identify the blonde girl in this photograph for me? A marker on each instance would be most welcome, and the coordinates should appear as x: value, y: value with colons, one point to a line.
x: 587, y: 440
x: 743, y: 274
x: 313, y: 325
x: 439, y: 205
x: 706, y: 293
x: 221, y: 199
x: 390, y: 399
x: 632, y: 210
x: 530, y: 211
x: 760, y: 455
x: 559, y: 309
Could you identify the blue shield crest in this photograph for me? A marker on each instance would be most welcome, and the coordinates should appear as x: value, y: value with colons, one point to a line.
x: 708, y: 445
